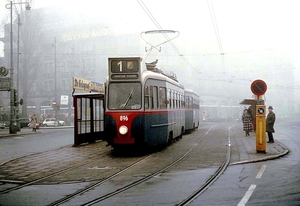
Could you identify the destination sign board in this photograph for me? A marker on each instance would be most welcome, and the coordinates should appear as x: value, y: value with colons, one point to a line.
x: 127, y: 68
x: 4, y: 84
x: 124, y: 76
x: 124, y: 66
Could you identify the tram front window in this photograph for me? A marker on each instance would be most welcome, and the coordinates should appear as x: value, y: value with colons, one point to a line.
x: 125, y: 96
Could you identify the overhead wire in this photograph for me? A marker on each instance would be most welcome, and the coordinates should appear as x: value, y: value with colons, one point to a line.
x: 149, y: 14
x: 215, y: 25
x: 216, y: 29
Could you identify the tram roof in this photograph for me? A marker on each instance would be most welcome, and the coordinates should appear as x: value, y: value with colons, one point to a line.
x: 191, y: 91
x: 146, y: 74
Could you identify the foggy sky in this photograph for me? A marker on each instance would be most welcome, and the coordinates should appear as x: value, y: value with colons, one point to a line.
x: 257, y: 39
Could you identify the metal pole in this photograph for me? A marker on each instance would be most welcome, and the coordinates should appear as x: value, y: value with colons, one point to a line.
x: 12, y: 107
x: 18, y: 59
x: 13, y: 98
x: 55, y: 78
x: 18, y: 75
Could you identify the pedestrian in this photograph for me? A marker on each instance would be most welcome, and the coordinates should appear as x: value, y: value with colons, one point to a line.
x: 251, y: 116
x: 270, y: 124
x: 247, y: 122
x: 33, y: 122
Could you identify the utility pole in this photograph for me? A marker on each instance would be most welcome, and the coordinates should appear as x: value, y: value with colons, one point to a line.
x: 12, y: 130
x: 18, y: 75
x: 13, y: 92
x: 55, y: 87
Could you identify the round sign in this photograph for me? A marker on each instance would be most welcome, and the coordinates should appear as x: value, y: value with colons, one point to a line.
x: 260, y: 110
x: 258, y: 87
x: 3, y: 71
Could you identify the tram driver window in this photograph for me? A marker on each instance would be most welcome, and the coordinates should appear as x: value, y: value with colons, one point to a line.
x: 124, y: 96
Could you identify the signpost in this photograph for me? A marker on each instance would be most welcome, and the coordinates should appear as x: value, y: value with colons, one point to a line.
x: 4, y: 84
x: 259, y: 88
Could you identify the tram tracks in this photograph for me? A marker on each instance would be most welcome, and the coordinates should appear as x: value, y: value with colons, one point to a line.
x: 53, y: 176
x: 130, y: 185
x: 141, y: 162
x: 212, y: 179
x: 35, y: 181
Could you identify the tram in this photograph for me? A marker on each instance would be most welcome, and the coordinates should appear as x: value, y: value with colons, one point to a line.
x: 144, y: 107
x: 192, y: 116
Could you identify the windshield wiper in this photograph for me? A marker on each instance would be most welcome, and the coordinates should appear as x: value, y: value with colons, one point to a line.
x: 127, y: 100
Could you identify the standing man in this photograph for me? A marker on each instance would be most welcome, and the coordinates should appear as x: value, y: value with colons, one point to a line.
x: 270, y: 124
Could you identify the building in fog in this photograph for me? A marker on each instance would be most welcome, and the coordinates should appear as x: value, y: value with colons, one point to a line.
x: 59, y: 48
x: 56, y: 46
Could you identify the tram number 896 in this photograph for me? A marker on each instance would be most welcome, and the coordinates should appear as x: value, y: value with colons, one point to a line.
x: 123, y: 118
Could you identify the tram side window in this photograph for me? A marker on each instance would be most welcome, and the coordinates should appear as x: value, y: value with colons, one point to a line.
x: 180, y: 100
x: 170, y: 99
x: 176, y: 97
x: 147, y: 97
x: 186, y: 99
x: 191, y: 103
x: 153, y: 97
x: 173, y: 100
x: 162, y: 98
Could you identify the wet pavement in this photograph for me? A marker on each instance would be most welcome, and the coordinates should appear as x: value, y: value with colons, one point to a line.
x: 31, y: 167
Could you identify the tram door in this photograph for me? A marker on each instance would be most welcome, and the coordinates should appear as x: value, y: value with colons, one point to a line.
x: 88, y: 118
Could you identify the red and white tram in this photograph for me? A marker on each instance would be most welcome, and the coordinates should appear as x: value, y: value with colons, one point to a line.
x: 144, y: 107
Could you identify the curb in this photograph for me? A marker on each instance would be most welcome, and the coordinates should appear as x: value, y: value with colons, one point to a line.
x: 37, y: 132
x: 271, y: 157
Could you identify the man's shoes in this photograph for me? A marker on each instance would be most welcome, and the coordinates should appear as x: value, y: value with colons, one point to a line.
x: 270, y: 142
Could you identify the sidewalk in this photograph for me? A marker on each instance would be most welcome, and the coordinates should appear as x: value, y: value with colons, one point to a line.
x: 243, y: 149
x: 27, y: 131
x: 24, y: 131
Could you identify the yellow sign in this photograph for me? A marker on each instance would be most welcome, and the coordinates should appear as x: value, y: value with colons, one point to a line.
x: 87, y: 85
x: 260, y: 128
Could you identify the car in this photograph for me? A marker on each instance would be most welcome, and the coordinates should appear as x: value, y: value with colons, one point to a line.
x: 61, y: 123
x: 2, y: 125
x: 50, y: 122
x: 24, y: 122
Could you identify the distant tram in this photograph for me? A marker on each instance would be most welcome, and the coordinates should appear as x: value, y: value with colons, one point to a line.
x: 192, y: 116
x: 144, y: 107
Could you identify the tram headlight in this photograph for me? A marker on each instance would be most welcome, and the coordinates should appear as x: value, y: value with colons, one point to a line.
x: 123, y: 130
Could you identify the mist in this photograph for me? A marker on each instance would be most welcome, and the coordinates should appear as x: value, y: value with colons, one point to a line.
x: 222, y: 47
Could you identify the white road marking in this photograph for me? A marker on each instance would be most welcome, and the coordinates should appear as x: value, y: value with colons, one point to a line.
x: 260, y: 172
x: 247, y: 195
x: 18, y: 137
x: 100, y: 168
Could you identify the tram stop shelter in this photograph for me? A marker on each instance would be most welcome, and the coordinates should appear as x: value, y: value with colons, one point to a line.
x: 88, y: 117
x: 252, y: 103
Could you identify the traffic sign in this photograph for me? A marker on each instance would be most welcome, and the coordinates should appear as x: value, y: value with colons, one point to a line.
x: 258, y: 87
x: 3, y: 71
x: 4, y: 84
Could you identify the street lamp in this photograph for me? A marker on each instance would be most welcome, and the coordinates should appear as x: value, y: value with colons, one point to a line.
x: 13, y: 130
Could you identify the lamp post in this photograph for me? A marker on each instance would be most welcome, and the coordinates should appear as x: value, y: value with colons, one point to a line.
x: 55, y: 87
x: 18, y: 73
x: 12, y: 129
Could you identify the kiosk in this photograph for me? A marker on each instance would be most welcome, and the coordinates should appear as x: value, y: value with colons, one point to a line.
x: 88, y: 111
